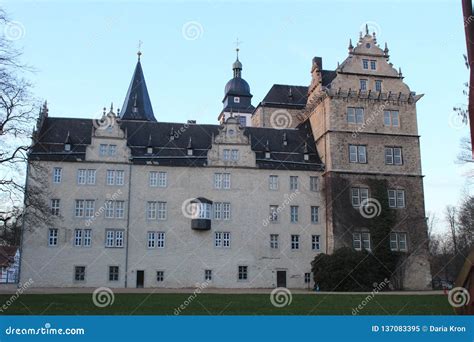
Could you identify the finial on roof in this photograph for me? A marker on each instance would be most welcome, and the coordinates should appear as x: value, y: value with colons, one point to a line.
x: 290, y: 93
x: 400, y: 72
x: 374, y: 35
x: 267, y: 147
x: 366, y: 29
x: 111, y: 107
x: 351, y: 47
x: 305, y: 148
x: 386, y: 49
x: 45, y: 108
x: 149, y: 141
x: 68, y: 138
x: 190, y: 143
x: 139, y: 52
x: 360, y: 36
x: 103, y: 110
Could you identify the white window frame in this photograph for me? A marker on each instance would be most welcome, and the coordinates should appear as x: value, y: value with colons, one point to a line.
x: 363, y: 84
x: 393, y: 156
x: 313, y: 183
x: 273, y: 213
x: 358, y: 154
x: 55, y: 206
x: 316, y: 242
x: 162, y: 179
x: 161, y: 212
x: 391, y: 118
x: 79, y: 208
x: 293, y: 182
x: 53, y: 234
x: 396, y: 241
x: 112, y: 150
x: 153, y: 179
x: 57, y: 175
x: 273, y: 182
x: 365, y: 64
x: 114, y: 238
x: 358, y: 195
x: 295, y: 242
x: 373, y: 64
x: 314, y: 214
x: 102, y: 150
x: 378, y: 84
x: 274, y: 243
x: 222, y: 181
x: 294, y: 211
x: 361, y: 240
x: 222, y: 239
x: 396, y: 198
x: 355, y: 115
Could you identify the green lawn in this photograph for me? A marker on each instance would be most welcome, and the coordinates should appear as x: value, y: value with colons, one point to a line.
x: 227, y: 304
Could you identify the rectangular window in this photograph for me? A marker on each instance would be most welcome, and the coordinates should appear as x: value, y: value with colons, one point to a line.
x: 109, y: 209
x: 293, y: 213
x: 207, y: 275
x: 226, y: 211
x: 273, y: 213
x: 242, y: 121
x: 79, y: 209
x: 52, y: 237
x: 151, y: 239
x: 226, y: 155
x: 90, y: 175
x: 110, y: 177
x: 359, y: 195
x: 391, y: 118
x: 162, y: 179
x: 112, y: 150
x: 87, y: 242
x: 160, y: 239
x: 274, y: 241
x: 160, y: 276
x: 315, y: 242
x: 222, y: 180
x: 273, y: 182
x: 78, y: 237
x: 363, y: 85
x: 119, y: 209
x: 81, y: 176
x: 314, y: 214
x: 361, y: 241
x: 307, y: 278
x: 151, y: 210
x: 217, y: 210
x: 234, y: 155
x: 119, y: 177
x: 80, y: 273
x: 161, y: 213
x: 358, y: 154
x: 313, y: 183
x: 103, y: 150
x: 55, y: 207
x: 153, y: 178
x: 293, y: 182
x: 373, y: 64
x: 378, y: 85
x: 113, y: 273
x: 113, y: 238
x: 222, y: 239
x: 396, y: 198
x: 295, y: 242
x: 57, y: 175
x: 89, y: 210
x: 243, y: 273
x: 355, y: 115
x: 393, y: 156
x: 365, y: 64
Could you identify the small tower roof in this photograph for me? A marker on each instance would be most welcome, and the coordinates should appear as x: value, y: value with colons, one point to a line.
x: 137, y: 104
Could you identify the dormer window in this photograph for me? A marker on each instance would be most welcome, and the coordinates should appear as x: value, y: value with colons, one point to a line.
x: 267, y: 155
x: 236, y: 99
x: 306, y: 156
x: 67, y: 147
x: 190, y: 151
x: 149, y: 150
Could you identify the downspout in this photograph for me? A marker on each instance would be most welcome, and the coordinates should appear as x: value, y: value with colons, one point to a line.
x: 128, y: 221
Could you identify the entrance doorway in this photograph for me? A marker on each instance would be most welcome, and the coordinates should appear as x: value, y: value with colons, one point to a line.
x: 140, y: 278
x: 281, y: 278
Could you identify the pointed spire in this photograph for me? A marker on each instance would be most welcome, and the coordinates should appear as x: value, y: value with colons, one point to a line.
x: 400, y: 72
x: 366, y: 29
x: 351, y: 47
x: 385, y: 51
x: 137, y: 104
x: 139, y: 52
x: 149, y: 141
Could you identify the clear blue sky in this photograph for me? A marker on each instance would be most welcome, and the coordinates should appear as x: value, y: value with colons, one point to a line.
x: 85, y: 54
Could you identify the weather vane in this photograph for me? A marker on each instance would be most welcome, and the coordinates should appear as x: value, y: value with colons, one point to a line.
x: 139, y: 53
x: 237, y: 44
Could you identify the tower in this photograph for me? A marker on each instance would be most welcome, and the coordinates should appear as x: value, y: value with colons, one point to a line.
x: 365, y: 126
x: 237, y: 97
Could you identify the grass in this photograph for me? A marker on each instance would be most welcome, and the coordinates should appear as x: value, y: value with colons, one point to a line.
x: 226, y: 304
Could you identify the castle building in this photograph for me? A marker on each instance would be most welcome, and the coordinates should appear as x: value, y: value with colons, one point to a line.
x: 247, y: 203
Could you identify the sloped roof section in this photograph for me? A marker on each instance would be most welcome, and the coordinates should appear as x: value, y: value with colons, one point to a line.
x: 137, y: 104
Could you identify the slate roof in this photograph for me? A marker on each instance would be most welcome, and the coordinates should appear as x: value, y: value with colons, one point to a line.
x: 137, y: 104
x: 291, y: 96
x: 169, y: 151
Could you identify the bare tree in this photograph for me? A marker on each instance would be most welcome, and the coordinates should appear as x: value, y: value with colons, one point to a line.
x: 18, y: 110
x: 450, y: 214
